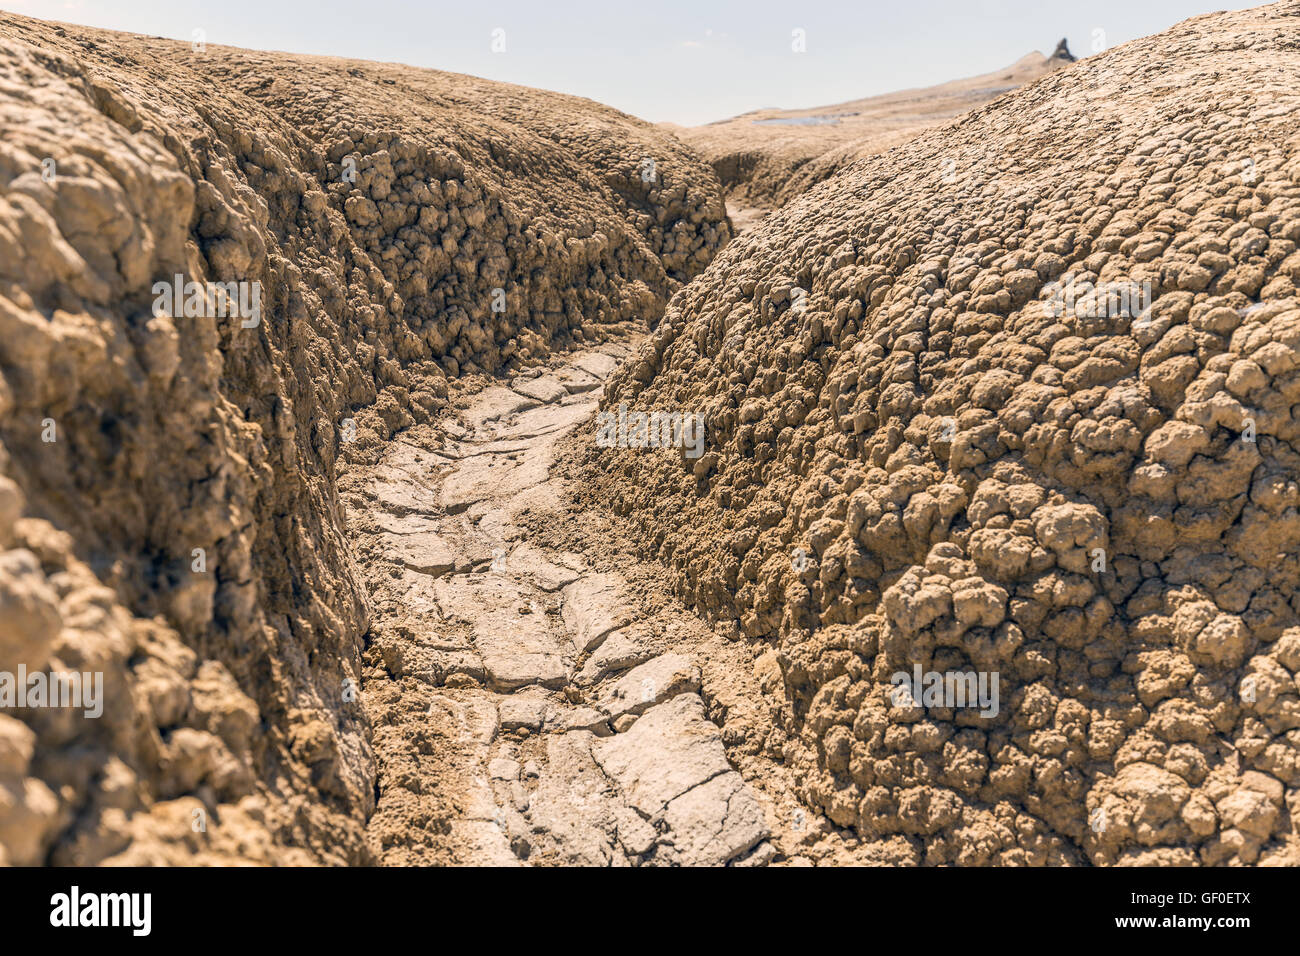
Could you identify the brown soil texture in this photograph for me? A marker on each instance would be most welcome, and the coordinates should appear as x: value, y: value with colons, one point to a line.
x: 538, y: 695
x: 767, y: 157
x: 1098, y: 503
x: 168, y: 505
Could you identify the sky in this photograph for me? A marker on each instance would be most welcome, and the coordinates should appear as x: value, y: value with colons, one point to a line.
x: 684, y: 61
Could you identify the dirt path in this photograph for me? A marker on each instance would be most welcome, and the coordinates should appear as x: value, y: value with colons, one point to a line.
x: 536, y: 693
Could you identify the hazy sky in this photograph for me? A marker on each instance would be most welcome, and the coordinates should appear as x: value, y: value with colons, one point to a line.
x: 688, y: 61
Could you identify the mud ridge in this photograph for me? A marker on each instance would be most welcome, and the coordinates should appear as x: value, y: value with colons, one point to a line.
x: 1032, y: 421
x: 338, y: 245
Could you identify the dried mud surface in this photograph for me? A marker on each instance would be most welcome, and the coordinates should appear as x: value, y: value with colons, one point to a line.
x: 538, y: 696
x: 886, y: 386
x: 365, y: 590
x: 182, y: 532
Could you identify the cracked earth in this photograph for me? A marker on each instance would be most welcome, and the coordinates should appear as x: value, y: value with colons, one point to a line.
x: 537, y: 695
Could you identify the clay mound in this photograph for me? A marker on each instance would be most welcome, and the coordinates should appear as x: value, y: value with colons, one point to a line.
x: 183, y: 535
x: 767, y: 157
x: 947, y: 427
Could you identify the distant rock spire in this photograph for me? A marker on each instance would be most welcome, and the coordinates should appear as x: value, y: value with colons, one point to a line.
x: 1062, y: 52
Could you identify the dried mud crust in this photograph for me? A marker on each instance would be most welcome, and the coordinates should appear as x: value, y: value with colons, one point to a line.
x: 537, y: 695
x: 381, y: 208
x: 955, y: 458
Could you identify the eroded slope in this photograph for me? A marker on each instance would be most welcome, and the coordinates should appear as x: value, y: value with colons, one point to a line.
x: 914, y: 457
x: 168, y: 509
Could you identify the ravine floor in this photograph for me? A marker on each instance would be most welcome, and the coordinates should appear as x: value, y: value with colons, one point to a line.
x: 537, y: 696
